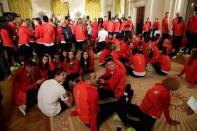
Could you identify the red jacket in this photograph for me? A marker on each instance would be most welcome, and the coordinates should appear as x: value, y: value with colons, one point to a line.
x: 23, y: 35
x: 165, y: 25
x: 59, y: 34
x: 165, y: 62
x: 122, y: 26
x: 105, y: 24
x: 103, y: 54
x: 190, y: 72
x: 190, y: 24
x: 130, y: 23
x: 43, y: 73
x: 146, y: 27
x: 156, y: 101
x: 117, y: 81
x: 179, y: 29
x: 194, y: 25
x: 13, y: 28
x: 155, y: 25
x: 48, y: 33
x: 110, y: 26
x: 86, y: 101
x: 117, y: 27
x: 94, y: 29
x: 156, y: 54
x: 80, y: 32
x: 6, y: 38
x: 138, y: 62
x: 38, y: 34
x: 72, y: 67
x: 21, y: 85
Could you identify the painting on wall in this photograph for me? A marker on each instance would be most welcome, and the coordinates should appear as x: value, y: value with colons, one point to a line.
x: 1, y: 9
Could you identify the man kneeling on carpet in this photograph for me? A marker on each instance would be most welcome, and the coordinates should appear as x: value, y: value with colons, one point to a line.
x: 52, y: 97
x: 86, y: 98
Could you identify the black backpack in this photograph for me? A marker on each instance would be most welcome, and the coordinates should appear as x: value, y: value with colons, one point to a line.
x: 68, y: 36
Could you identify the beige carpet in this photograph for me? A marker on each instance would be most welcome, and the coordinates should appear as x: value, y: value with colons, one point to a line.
x: 64, y: 122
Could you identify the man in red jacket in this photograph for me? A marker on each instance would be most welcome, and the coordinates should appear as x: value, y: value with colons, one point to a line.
x: 113, y: 80
x: 165, y: 29
x: 87, y: 107
x: 24, y: 90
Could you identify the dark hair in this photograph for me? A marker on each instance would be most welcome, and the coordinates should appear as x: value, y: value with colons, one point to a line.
x: 61, y: 57
x: 57, y: 71
x: 193, y: 56
x: 86, y: 74
x: 180, y: 19
x: 82, y: 60
x: 66, y: 18
x: 38, y: 20
x: 164, y: 51
x: 29, y: 63
x: 45, y: 18
x: 68, y: 59
x: 41, y: 65
x: 109, y: 58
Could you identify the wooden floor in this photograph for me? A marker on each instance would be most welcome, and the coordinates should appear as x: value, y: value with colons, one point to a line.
x: 12, y: 120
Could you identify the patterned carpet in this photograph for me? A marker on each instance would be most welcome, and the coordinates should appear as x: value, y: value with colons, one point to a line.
x: 64, y: 122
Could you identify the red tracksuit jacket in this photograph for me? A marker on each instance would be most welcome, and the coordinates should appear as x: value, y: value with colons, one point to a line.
x: 179, y: 29
x: 138, y: 62
x: 71, y: 67
x: 165, y: 26
x: 48, y: 33
x: 156, y: 101
x: 165, y: 62
x: 190, y: 72
x: 110, y: 26
x: 155, y: 25
x: 21, y: 84
x: 117, y: 81
x: 117, y: 27
x: 94, y: 29
x: 23, y: 35
x: 38, y: 34
x: 6, y: 38
x: 86, y: 99
x: 80, y: 32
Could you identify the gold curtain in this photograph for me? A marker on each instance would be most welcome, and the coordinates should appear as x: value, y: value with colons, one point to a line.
x: 58, y: 7
x: 21, y: 7
x: 93, y: 8
x: 118, y: 7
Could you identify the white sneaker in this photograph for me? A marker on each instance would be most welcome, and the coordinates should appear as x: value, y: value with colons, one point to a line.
x: 22, y: 109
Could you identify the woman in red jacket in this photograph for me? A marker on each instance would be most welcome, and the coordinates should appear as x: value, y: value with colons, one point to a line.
x: 80, y: 34
x: 25, y: 51
x: 38, y: 36
x: 190, y: 68
x: 24, y: 89
x: 71, y: 67
x: 163, y: 64
x: 44, y: 68
x: 86, y: 62
x: 136, y: 65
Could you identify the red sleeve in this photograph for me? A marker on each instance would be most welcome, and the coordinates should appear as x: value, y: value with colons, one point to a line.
x: 75, y: 67
x: 130, y: 61
x: 51, y: 66
x: 93, y: 108
x: 23, y: 82
x: 165, y: 106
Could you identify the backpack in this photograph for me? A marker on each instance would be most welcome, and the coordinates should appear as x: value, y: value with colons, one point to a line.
x: 68, y: 36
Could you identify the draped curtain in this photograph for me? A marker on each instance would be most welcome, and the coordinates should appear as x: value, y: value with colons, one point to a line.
x: 58, y: 7
x: 21, y: 7
x: 118, y: 7
x: 93, y: 8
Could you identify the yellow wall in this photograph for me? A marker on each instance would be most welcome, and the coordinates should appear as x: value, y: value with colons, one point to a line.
x: 59, y: 8
x: 93, y: 8
x: 22, y: 7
